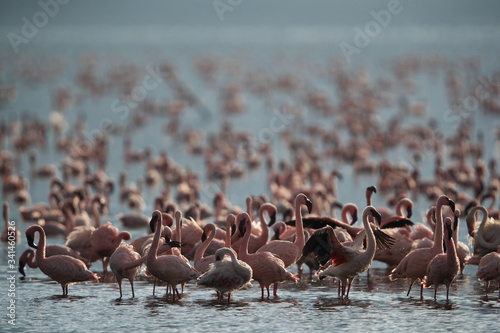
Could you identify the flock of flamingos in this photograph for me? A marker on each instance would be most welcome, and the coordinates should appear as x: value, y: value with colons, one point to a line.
x: 225, y: 247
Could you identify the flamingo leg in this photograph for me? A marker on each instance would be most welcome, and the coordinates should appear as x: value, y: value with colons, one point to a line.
x: 421, y: 291
x: 275, y: 289
x: 132, y: 285
x: 487, y: 286
x: 64, y: 290
x: 262, y: 291
x: 411, y: 285
x: 435, y: 292
x: 228, y: 298
x: 267, y: 287
x: 447, y: 292
x: 120, y: 286
x: 348, y: 288
x: 339, y: 288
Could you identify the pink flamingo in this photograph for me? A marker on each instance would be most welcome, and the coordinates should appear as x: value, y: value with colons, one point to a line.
x: 169, y: 268
x: 266, y: 267
x: 105, y: 240
x: 202, y: 264
x: 347, y: 262
x: 126, y: 263
x: 257, y: 241
x: 61, y: 268
x: 28, y: 256
x: 444, y: 267
x: 489, y: 269
x: 9, y: 230
x: 288, y: 251
x: 414, y: 264
x: 463, y: 252
x: 486, y: 237
x: 226, y: 276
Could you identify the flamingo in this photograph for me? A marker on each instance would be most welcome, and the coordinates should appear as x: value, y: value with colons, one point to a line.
x: 414, y: 264
x: 105, y: 240
x: 463, y: 251
x: 61, y: 268
x: 257, y: 241
x: 169, y: 268
x: 226, y: 276
x: 288, y: 251
x: 134, y: 220
x: 486, y: 237
x: 10, y: 232
x: 444, y: 267
x: 28, y: 256
x: 347, y: 262
x: 489, y: 269
x: 202, y: 264
x: 125, y: 262
x: 266, y: 267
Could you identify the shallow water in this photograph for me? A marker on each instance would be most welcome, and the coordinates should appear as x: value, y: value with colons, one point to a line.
x: 375, y: 304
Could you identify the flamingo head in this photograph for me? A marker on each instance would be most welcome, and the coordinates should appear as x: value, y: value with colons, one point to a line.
x: 154, y: 219
x: 409, y: 212
x: 31, y: 241
x: 309, y: 205
x: 372, y: 188
x: 451, y: 204
x: 172, y: 243
x: 354, y: 218
x: 272, y: 219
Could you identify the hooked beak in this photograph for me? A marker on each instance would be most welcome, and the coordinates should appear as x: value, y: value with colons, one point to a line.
x: 309, y: 205
x: 272, y: 220
x: 31, y: 242
x: 452, y: 205
x: 448, y: 227
x: 410, y: 212
x: 354, y: 219
x: 21, y: 267
x: 203, y: 236
x: 372, y: 188
x: 152, y: 222
x: 173, y: 243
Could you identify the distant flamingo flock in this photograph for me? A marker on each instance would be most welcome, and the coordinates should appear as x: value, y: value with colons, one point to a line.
x: 219, y: 245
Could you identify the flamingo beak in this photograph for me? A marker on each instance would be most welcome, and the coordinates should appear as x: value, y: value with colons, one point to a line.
x: 410, y: 212
x: 272, y: 220
x: 241, y: 227
x: 373, y: 188
x: 377, y: 216
x: 233, y: 229
x: 452, y: 205
x: 309, y: 205
x: 152, y: 223
x: 31, y: 242
x: 21, y: 267
x: 354, y: 219
x: 173, y: 243
x: 203, y: 236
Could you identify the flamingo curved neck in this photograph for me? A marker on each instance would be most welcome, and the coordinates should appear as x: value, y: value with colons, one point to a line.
x: 153, y: 250
x: 438, y: 231
x: 204, y: 245
x: 370, y: 246
x: 299, y: 231
x: 479, y: 235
